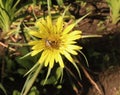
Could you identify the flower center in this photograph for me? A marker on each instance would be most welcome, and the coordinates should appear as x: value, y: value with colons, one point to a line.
x: 52, y: 42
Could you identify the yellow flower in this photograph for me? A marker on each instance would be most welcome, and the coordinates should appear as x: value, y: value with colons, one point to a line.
x: 54, y: 41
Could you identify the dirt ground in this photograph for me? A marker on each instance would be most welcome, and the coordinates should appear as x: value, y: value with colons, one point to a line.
x: 108, y: 82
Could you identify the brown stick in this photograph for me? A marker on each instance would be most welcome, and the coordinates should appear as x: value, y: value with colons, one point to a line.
x: 91, y: 80
x: 6, y: 46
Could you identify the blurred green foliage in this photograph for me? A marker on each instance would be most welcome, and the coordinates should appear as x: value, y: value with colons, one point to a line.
x: 114, y: 6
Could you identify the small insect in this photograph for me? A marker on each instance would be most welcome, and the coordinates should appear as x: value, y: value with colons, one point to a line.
x: 50, y: 43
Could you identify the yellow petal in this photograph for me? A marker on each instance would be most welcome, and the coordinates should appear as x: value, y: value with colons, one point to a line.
x: 68, y: 56
x: 59, y: 24
x: 44, y: 28
x: 68, y: 28
x: 38, y: 46
x: 33, y: 53
x: 52, y: 61
x: 59, y: 58
x: 48, y: 58
x: 43, y: 56
x: 70, y: 42
x: 74, y: 37
x: 39, y: 21
x: 33, y: 42
x: 56, y: 56
x: 49, y: 22
x: 75, y: 32
x: 35, y: 33
x: 42, y: 25
x: 73, y: 49
x: 54, y: 29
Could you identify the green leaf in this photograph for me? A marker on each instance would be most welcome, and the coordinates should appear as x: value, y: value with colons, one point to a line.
x: 60, y: 3
x: 34, y: 91
x: 59, y: 72
x: 56, y: 74
x: 3, y: 89
x: 114, y: 6
x: 49, y: 81
x: 15, y: 92
x: 9, y: 11
x: 21, y: 71
x: 31, y: 79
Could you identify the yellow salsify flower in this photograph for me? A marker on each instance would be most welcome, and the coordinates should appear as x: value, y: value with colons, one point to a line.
x: 54, y: 41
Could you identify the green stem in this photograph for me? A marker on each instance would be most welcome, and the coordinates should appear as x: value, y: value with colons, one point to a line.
x: 16, y: 4
x: 32, y: 80
x: 48, y: 3
x: 91, y: 36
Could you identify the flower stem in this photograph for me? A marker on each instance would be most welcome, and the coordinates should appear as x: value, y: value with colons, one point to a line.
x: 48, y: 3
x: 31, y: 80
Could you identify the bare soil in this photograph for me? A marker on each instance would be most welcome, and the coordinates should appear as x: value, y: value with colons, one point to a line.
x: 108, y: 82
